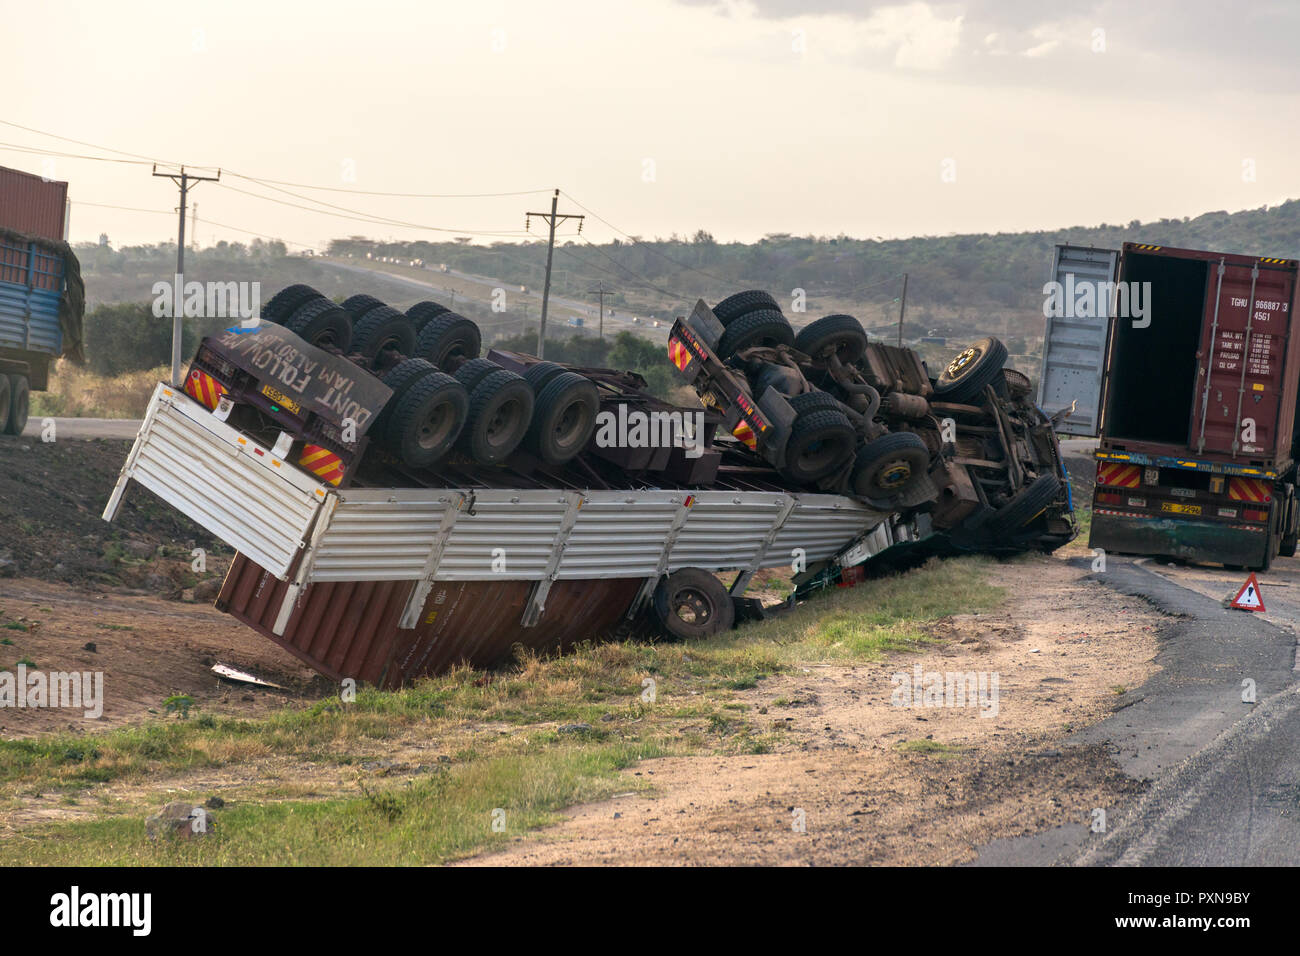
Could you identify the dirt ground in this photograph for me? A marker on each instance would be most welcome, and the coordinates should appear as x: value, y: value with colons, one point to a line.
x: 858, y: 768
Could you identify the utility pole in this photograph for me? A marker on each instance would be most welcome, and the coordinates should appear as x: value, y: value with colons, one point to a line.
x: 601, y: 291
x: 902, y: 304
x: 182, y: 180
x: 552, y: 218
x: 194, y: 227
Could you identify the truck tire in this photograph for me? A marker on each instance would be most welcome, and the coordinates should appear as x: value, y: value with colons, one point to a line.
x: 399, y: 378
x: 842, y: 334
x: 283, y: 304
x: 890, y: 467
x: 1024, y: 507
x: 427, y: 419
x: 500, y: 411
x: 820, y: 442
x: 448, y: 340
x: 815, y: 402
x: 542, y: 372
x: 322, y: 323
x: 564, y: 418
x: 765, y: 327
x: 422, y: 312
x: 692, y: 604
x: 19, y: 405
x: 6, y: 395
x: 742, y: 303
x: 474, y: 371
x: 357, y: 306
x: 971, y: 370
x: 383, y: 328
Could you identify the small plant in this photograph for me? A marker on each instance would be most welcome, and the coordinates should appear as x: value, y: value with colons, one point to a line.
x: 179, y: 704
x: 385, y: 804
x: 115, y: 627
x: 15, y: 626
x: 27, y: 662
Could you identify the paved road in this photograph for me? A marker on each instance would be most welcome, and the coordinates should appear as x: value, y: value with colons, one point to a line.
x: 1224, y: 773
x: 84, y: 428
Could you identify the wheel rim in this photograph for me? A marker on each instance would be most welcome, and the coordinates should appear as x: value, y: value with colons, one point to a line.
x: 818, y: 454
x: 962, y: 362
x: 692, y: 606
x: 894, y: 475
x: 436, y: 427
x: 501, y: 425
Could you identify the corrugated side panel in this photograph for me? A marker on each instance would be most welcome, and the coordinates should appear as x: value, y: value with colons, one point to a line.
x: 1074, y: 348
x: 620, y: 536
x: 726, y: 528
x: 31, y: 205
x: 821, y: 525
x: 380, y: 534
x: 519, y: 529
x: 226, y: 483
x: 31, y: 286
x: 349, y: 629
x: 346, y: 629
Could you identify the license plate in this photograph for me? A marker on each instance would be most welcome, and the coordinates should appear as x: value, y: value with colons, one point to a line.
x: 1172, y: 507
x: 281, y: 399
x: 1182, y: 492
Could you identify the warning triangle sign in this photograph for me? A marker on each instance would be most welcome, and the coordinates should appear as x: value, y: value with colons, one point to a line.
x: 1248, y: 598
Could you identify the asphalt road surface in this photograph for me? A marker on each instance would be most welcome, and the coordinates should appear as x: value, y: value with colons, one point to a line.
x: 1223, y: 772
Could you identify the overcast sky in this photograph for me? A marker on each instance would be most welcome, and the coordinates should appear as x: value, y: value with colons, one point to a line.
x: 662, y: 116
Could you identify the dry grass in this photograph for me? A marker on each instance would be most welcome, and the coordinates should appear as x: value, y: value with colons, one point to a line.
x: 79, y: 393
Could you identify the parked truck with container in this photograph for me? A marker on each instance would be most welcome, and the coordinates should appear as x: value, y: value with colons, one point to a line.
x: 41, y: 294
x: 400, y: 503
x: 1185, y: 366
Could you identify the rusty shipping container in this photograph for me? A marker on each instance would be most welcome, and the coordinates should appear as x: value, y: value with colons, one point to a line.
x: 1192, y: 359
x: 31, y: 205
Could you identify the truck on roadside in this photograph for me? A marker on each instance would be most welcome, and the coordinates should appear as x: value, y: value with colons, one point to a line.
x: 42, y: 299
x: 400, y: 503
x: 1184, y: 364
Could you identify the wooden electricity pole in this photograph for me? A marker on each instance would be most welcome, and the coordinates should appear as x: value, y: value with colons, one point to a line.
x: 552, y: 219
x: 183, y: 180
x: 601, y: 291
x: 902, y: 304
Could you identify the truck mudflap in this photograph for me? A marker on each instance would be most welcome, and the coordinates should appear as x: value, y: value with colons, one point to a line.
x: 1125, y: 533
x: 243, y: 493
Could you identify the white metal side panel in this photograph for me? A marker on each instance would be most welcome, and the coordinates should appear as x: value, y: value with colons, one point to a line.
x: 1074, y: 347
x: 226, y: 483
x: 821, y: 525
x: 726, y: 529
x: 516, y: 530
x: 620, y: 534
x: 380, y: 535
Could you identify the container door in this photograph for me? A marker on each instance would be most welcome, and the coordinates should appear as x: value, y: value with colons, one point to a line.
x: 1078, y: 327
x: 1240, y: 380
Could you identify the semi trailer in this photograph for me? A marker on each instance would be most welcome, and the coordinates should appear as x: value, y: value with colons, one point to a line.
x: 1182, y: 363
x: 400, y: 504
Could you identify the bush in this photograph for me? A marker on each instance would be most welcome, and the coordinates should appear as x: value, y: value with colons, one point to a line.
x: 126, y: 337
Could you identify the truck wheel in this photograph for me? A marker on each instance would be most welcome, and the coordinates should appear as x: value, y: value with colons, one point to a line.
x: 766, y: 327
x: 19, y: 404
x: 815, y: 402
x: 841, y: 334
x: 820, y: 442
x: 1026, y: 506
x: 448, y: 340
x: 743, y: 303
x: 5, y: 396
x: 891, y: 466
x: 321, y: 323
x: 474, y: 371
x: 427, y: 419
x: 399, y: 378
x: 972, y: 369
x: 539, y: 374
x: 358, y: 305
x: 692, y: 604
x: 564, y: 418
x: 500, y: 411
x: 383, y: 328
x: 422, y: 312
x: 282, y: 305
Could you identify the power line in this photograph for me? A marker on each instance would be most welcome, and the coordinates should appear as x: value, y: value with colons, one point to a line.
x: 371, y: 192
x: 552, y: 219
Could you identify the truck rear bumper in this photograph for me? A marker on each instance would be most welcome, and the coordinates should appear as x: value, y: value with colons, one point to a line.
x: 1208, y: 541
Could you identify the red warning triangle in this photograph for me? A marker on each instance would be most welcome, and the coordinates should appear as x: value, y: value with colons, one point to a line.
x: 1248, y: 598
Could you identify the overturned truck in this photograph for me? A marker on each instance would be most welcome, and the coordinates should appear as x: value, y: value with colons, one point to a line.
x: 400, y: 504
